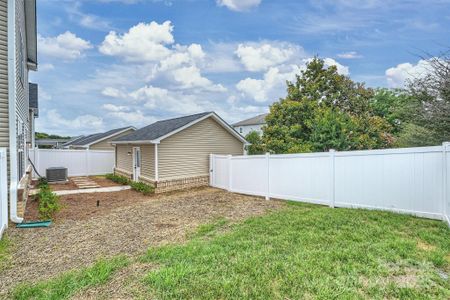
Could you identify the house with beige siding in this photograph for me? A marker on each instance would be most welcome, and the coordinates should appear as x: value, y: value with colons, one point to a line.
x: 18, y: 98
x: 98, y: 141
x: 174, y: 154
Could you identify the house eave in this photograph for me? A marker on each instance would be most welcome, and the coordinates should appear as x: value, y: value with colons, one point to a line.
x: 109, y: 136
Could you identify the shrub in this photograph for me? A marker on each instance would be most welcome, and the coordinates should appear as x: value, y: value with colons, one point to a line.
x: 142, y: 187
x: 48, y: 202
x: 137, y: 186
x: 42, y: 181
x: 118, y: 178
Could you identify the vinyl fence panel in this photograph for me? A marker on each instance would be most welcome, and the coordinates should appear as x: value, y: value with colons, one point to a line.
x: 402, y: 180
x: 301, y: 177
x: 408, y: 180
x: 3, y: 191
x: 77, y: 162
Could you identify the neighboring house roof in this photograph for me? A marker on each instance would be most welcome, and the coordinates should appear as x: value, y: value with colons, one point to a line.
x: 33, y: 98
x: 258, y: 120
x: 68, y: 143
x: 31, y: 33
x: 160, y: 130
x: 97, y: 137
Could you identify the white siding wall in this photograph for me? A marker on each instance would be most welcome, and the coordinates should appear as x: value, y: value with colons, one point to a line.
x: 244, y: 130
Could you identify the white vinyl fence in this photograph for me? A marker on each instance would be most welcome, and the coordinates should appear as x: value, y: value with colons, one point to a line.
x: 77, y: 162
x: 409, y: 180
x: 3, y: 191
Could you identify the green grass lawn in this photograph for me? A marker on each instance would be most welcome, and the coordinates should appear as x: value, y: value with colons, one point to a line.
x: 301, y: 252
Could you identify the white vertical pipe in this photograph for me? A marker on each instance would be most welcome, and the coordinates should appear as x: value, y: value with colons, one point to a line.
x: 211, y: 170
x: 445, y: 183
x: 87, y: 162
x: 156, y: 163
x: 13, y: 183
x: 332, y: 177
x: 230, y: 170
x: 268, y: 175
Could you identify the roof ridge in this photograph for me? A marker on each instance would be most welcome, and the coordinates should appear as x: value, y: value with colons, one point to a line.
x: 206, y: 112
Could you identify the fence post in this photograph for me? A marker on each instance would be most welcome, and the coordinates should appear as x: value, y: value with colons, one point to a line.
x: 87, y: 162
x: 211, y: 170
x: 445, y: 211
x: 332, y: 180
x: 268, y: 175
x: 229, y: 172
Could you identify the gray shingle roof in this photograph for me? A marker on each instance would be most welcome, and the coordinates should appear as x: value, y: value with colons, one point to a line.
x: 160, y: 128
x: 95, y: 137
x: 258, y: 120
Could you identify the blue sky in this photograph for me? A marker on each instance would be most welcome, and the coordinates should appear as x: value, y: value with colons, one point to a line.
x: 110, y: 63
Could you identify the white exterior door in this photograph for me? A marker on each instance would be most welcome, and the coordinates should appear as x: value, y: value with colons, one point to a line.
x: 136, y: 163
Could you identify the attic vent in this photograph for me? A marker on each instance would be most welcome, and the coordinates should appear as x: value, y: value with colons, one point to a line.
x: 55, y: 174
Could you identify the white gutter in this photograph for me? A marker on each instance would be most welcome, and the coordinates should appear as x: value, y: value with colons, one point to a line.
x: 13, y: 183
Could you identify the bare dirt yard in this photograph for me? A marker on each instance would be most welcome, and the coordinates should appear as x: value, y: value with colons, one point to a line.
x: 126, y: 222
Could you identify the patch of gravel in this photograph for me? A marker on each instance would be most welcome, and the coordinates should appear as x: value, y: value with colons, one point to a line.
x: 129, y: 225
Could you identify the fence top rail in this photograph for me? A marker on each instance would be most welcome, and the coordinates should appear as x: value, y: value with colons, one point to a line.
x: 390, y: 151
x: 72, y: 150
x: 220, y: 156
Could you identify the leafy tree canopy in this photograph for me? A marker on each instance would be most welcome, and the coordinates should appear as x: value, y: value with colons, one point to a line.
x: 324, y: 110
x: 43, y: 135
x: 256, y: 146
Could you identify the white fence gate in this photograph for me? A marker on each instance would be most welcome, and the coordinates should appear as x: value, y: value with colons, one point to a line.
x: 3, y: 191
x: 409, y: 180
x: 77, y: 162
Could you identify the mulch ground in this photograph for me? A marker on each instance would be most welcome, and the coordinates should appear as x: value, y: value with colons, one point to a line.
x: 70, y: 185
x: 126, y: 222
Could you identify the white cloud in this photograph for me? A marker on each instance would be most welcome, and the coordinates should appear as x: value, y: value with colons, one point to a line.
x: 349, y: 55
x: 399, y: 75
x: 273, y: 84
x: 239, y: 5
x: 152, y: 97
x: 271, y: 87
x: 46, y: 67
x: 143, y: 42
x: 190, y: 77
x: 133, y: 117
x: 260, y: 57
x: 113, y: 92
x: 86, y: 20
x: 53, y: 121
x: 115, y: 108
x: 64, y: 46
x: 341, y: 69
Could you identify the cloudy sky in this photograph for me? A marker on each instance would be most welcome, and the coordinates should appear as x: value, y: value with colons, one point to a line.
x: 110, y: 63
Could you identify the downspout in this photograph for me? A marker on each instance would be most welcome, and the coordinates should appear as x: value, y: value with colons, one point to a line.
x: 13, y: 182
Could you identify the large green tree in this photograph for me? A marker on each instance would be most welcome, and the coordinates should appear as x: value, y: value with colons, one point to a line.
x: 433, y: 93
x: 324, y: 109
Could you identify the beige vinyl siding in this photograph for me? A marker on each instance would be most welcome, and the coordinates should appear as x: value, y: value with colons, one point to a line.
x: 186, y: 153
x: 4, y: 121
x: 105, y: 144
x: 22, y: 105
x: 148, y: 161
x: 123, y: 160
